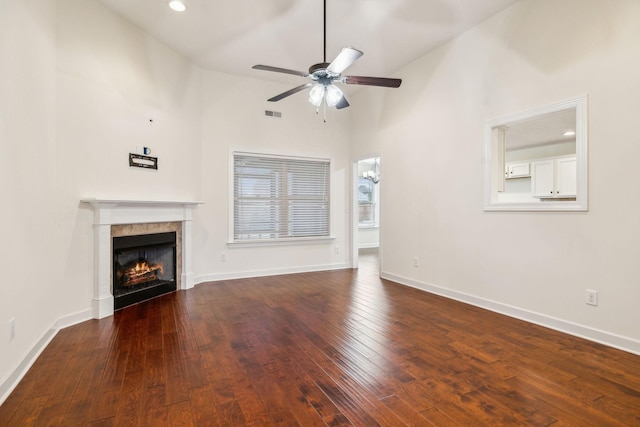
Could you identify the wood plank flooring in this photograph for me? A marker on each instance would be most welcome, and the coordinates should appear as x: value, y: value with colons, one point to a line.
x: 336, y: 348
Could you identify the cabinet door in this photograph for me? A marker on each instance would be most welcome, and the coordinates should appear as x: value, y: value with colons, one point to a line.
x: 519, y: 170
x: 542, y: 178
x: 566, y: 177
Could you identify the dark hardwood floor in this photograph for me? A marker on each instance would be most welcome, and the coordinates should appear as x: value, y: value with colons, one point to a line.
x: 333, y: 348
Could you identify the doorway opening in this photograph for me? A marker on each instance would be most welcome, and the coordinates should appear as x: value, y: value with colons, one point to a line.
x: 366, y: 208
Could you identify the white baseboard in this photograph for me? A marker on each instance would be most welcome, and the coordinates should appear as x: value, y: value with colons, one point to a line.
x: 73, y: 319
x: 603, y: 337
x: 11, y: 381
x: 214, y: 277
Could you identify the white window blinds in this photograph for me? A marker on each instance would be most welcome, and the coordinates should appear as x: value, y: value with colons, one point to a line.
x: 280, y: 197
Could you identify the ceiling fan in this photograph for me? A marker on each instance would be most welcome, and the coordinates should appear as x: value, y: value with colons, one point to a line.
x: 324, y: 76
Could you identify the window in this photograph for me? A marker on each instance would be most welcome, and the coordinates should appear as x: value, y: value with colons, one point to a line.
x: 279, y: 198
x: 367, y: 203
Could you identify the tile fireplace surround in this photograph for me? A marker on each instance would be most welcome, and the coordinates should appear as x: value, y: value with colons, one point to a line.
x: 117, y: 212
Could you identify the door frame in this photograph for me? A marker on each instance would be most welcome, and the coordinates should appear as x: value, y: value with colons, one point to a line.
x: 354, y: 211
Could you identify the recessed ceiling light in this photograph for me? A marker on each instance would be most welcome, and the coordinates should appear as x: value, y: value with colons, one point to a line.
x: 177, y: 5
x: 569, y: 133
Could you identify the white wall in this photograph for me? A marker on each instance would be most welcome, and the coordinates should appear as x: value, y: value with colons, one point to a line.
x: 233, y: 118
x: 27, y: 170
x: 532, y: 265
x: 79, y: 85
x: 368, y: 237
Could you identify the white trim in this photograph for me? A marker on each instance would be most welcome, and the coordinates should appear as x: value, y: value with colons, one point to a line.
x: 215, y: 277
x: 281, y: 242
x: 581, y: 203
x: 275, y: 155
x: 73, y: 319
x: 354, y: 220
x: 368, y: 246
x: 10, y: 382
x: 603, y: 337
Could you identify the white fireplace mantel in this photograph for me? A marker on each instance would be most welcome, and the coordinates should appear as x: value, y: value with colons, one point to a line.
x: 108, y: 212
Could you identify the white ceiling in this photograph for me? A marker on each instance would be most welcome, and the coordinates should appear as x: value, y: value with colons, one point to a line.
x: 233, y: 35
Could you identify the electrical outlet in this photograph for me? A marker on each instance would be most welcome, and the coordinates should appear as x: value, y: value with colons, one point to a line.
x: 223, y: 256
x: 337, y: 249
x: 591, y: 297
x: 416, y: 262
x: 12, y: 329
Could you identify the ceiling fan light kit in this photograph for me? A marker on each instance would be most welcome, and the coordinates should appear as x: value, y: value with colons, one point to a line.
x: 324, y: 91
x: 331, y: 94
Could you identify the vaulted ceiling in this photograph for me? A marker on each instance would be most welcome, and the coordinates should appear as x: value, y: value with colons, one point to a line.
x: 232, y: 35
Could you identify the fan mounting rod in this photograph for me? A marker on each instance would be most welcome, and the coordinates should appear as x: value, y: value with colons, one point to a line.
x: 324, y: 32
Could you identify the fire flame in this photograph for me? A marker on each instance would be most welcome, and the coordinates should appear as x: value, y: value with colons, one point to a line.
x: 141, y: 272
x: 144, y: 267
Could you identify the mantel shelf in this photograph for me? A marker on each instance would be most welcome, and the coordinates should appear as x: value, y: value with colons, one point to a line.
x: 130, y: 202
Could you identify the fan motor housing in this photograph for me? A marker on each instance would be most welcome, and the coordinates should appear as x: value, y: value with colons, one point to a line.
x: 317, y: 67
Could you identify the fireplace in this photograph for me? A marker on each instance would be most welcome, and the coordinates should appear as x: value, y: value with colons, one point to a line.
x: 115, y: 218
x: 144, y: 266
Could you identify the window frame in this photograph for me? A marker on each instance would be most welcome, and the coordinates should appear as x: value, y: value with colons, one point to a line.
x: 232, y: 241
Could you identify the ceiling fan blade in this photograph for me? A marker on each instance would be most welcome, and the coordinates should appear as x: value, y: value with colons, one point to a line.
x: 280, y: 70
x: 342, y: 104
x: 371, y: 81
x: 345, y: 58
x: 290, y: 92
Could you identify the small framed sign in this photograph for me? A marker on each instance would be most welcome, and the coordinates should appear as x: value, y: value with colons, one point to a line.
x: 140, y: 161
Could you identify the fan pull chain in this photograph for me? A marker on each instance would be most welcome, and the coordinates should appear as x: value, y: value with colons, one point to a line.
x: 324, y: 111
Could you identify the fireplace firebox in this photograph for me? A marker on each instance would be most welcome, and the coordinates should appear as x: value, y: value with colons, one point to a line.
x: 144, y: 266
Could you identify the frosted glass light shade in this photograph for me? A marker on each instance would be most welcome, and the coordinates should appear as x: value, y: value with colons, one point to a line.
x: 331, y: 94
x: 334, y: 95
x: 316, y: 94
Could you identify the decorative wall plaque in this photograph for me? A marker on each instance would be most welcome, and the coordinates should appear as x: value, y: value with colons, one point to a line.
x: 140, y: 161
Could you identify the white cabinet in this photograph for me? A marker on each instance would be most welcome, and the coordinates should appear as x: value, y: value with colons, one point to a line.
x: 542, y: 180
x: 554, y: 178
x: 517, y: 170
x: 566, y: 177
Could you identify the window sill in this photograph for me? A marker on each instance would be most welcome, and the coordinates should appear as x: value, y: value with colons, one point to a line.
x: 279, y: 242
x: 368, y: 227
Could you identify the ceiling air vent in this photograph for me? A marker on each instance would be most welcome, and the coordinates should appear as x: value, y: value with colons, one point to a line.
x: 274, y: 114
